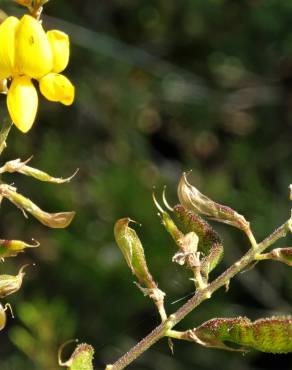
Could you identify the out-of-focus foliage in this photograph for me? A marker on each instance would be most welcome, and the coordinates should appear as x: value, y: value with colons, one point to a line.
x: 162, y: 86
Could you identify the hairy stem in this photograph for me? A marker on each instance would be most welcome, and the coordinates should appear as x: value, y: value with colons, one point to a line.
x: 201, y: 294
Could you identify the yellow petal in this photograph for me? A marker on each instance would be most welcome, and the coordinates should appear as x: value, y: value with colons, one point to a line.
x: 22, y: 102
x: 60, y: 48
x: 33, y: 54
x: 58, y: 88
x: 7, y: 49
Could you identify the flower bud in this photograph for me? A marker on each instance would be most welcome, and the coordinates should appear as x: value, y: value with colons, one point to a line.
x: 53, y: 220
x: 10, y: 284
x: 132, y: 249
x: 11, y: 248
x: 191, y: 198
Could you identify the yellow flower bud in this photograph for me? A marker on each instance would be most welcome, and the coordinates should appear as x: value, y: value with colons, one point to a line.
x: 57, y: 88
x: 22, y: 103
x: 33, y: 54
x: 60, y: 48
x: 7, y: 49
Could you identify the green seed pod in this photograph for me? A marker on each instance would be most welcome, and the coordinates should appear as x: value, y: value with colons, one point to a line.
x: 10, y: 284
x: 17, y: 165
x: 11, y: 248
x: 132, y: 249
x: 53, y: 220
x: 271, y: 335
x: 191, y: 198
x: 82, y: 357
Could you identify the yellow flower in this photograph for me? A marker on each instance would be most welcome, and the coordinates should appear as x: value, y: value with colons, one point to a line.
x: 27, y: 52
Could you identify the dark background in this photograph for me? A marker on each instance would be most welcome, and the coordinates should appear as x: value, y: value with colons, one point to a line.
x: 161, y: 87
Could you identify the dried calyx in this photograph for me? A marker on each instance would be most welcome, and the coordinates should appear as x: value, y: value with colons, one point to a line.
x: 191, y: 198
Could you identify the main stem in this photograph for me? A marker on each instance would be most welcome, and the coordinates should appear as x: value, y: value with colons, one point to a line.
x: 200, y: 295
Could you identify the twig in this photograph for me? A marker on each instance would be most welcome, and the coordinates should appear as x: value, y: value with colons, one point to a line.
x: 165, y: 327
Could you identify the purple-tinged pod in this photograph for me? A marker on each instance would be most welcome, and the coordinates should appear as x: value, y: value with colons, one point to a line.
x: 272, y: 335
x: 191, y: 198
x: 11, y: 248
x: 188, y: 221
x: 210, y: 245
x: 10, y: 284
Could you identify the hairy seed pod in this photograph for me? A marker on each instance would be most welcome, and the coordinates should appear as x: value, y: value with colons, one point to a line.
x: 81, y: 358
x: 189, y: 221
x: 210, y: 244
x: 271, y: 335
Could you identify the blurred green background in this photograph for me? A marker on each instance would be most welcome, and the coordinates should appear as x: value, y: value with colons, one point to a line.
x: 162, y: 86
